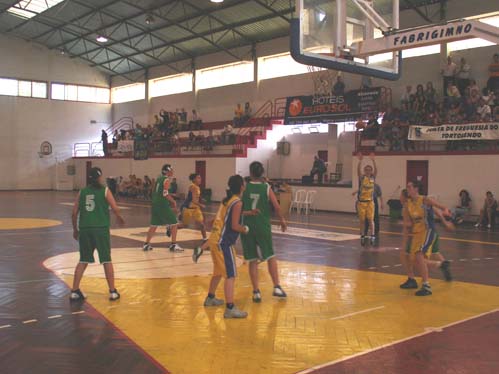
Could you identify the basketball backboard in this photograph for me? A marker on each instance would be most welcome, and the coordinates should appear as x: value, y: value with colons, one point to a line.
x: 324, y: 34
x: 363, y: 36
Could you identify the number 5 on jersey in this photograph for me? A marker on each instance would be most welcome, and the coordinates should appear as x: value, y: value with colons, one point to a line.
x: 90, y: 203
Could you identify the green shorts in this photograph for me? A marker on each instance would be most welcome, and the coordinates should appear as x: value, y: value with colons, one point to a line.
x: 93, y: 238
x: 162, y: 215
x: 257, y: 245
x: 435, y: 246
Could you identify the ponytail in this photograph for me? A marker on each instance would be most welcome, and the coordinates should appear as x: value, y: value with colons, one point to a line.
x: 235, y: 183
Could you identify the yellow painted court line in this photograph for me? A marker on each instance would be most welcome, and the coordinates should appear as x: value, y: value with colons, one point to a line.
x: 428, y: 331
x: 356, y: 229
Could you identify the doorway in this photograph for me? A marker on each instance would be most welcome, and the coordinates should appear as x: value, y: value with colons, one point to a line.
x: 201, y: 170
x: 323, y: 155
x: 418, y: 170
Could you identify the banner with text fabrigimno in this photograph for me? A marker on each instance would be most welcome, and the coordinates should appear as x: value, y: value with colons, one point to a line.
x: 469, y: 131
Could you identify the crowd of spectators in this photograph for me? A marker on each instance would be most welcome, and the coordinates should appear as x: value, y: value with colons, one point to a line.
x: 166, y: 127
x: 462, y: 101
x: 136, y: 187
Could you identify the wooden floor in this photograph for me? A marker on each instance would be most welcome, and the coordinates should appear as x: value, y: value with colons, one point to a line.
x: 345, y: 312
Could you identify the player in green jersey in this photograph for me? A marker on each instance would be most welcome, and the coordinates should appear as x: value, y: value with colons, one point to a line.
x: 163, y: 210
x: 257, y: 245
x: 92, y: 231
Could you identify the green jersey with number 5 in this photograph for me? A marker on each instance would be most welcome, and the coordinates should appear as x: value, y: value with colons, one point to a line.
x: 256, y: 196
x: 94, y: 208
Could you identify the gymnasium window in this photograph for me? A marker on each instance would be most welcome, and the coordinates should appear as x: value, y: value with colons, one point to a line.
x: 130, y: 92
x: 86, y: 94
x: 30, y: 8
x: 225, y: 75
x: 280, y: 65
x: 283, y: 65
x: 475, y: 42
x: 169, y: 85
x: 23, y: 88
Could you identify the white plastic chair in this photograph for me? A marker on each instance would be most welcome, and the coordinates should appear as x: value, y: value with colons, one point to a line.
x: 308, y: 204
x: 297, y: 202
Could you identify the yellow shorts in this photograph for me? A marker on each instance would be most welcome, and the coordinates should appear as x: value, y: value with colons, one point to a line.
x: 365, y: 210
x: 224, y: 259
x: 190, y: 216
x: 423, y: 241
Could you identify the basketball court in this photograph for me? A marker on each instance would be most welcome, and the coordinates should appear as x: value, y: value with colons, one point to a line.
x: 344, y: 310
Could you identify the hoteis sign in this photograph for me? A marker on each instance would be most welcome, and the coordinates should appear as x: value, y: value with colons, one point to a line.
x: 350, y: 106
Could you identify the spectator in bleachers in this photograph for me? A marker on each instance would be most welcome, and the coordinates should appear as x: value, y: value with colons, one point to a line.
x: 157, y: 120
x: 405, y: 99
x: 473, y: 87
x: 449, y: 72
x: 487, y: 213
x: 247, y: 113
x: 493, y: 81
x: 339, y: 86
x: 483, y: 110
x: 165, y: 118
x: 372, y: 129
x: 489, y: 97
x: 420, y: 99
x: 192, y: 140
x: 104, y: 142
x: 430, y: 97
x: 196, y: 122
x: 228, y: 129
x: 463, y: 76
x: 183, y: 116
x: 453, y: 95
x: 238, y: 115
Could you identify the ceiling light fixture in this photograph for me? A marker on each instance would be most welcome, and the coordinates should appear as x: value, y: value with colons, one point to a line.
x: 217, y: 1
x: 150, y: 19
x: 101, y: 39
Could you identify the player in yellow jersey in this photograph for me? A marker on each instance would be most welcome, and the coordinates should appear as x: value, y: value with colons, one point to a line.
x: 418, y: 216
x: 365, y: 197
x: 224, y: 234
x: 192, y: 215
x: 405, y: 254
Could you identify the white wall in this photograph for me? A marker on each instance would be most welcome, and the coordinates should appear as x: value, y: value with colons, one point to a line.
x: 447, y: 176
x: 218, y: 171
x: 26, y: 122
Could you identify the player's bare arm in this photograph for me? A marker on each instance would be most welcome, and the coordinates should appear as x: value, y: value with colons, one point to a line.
x: 114, y: 207
x: 74, y: 216
x: 277, y: 208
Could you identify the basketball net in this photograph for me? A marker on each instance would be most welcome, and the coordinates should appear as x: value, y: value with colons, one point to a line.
x: 323, y: 80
